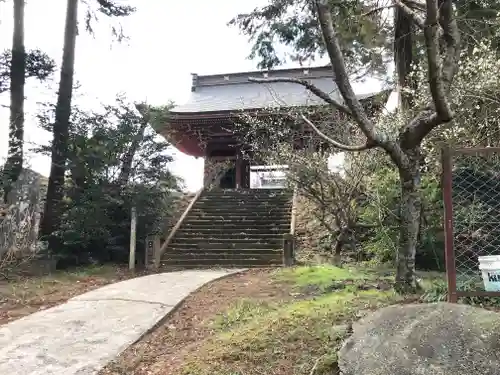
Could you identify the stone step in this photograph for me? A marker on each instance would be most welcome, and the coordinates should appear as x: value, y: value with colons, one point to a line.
x: 168, y: 267
x: 242, y: 208
x: 240, y: 211
x: 249, y: 216
x: 236, y: 216
x: 257, y: 220
x: 223, y: 254
x: 216, y: 231
x: 245, y: 199
x: 254, y: 200
x: 264, y: 192
x: 239, y: 227
x: 227, y: 241
x: 251, y: 195
x: 232, y: 228
x: 235, y: 227
x: 224, y: 246
x: 229, y: 236
x: 248, y: 220
x: 244, y: 262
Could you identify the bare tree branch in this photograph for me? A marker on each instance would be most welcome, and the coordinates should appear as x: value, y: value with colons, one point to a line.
x: 366, y: 146
x: 408, y: 3
x: 440, y: 76
x: 311, y: 87
x: 433, y: 61
x: 378, y: 9
x: 451, y: 36
x: 340, y: 72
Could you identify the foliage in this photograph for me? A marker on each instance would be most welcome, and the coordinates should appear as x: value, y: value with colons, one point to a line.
x: 332, y: 193
x: 38, y: 65
x: 404, y: 147
x: 98, y: 199
x: 112, y: 10
x: 382, y: 211
x: 474, y: 97
x: 293, y: 23
x: 436, y: 292
x: 363, y: 26
x: 479, y: 21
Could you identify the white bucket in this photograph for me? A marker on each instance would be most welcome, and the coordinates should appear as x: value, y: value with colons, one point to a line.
x: 490, y: 268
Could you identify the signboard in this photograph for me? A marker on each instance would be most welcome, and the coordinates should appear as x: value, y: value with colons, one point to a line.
x: 267, y: 177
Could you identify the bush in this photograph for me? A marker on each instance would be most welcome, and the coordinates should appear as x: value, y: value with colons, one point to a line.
x: 115, y: 162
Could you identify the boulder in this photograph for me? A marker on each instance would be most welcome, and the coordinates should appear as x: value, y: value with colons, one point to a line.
x: 424, y: 339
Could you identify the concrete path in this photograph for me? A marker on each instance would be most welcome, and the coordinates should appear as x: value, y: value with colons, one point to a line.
x: 81, y: 336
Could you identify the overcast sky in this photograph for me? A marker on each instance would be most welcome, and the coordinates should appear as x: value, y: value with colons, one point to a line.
x: 169, y: 40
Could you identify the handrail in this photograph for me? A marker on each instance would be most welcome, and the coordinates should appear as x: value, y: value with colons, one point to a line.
x: 293, y: 219
x: 217, y: 176
x: 289, y: 238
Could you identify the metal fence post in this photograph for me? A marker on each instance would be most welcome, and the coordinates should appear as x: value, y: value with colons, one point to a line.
x: 451, y: 272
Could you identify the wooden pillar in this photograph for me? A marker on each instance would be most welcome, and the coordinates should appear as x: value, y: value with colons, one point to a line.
x: 239, y: 174
x: 245, y: 174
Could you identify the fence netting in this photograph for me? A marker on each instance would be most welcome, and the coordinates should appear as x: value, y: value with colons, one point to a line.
x: 476, y: 213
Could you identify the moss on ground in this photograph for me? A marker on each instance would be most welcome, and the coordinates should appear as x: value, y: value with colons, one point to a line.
x: 321, y: 277
x: 288, y: 336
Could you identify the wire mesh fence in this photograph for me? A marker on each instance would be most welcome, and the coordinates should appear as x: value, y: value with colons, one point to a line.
x: 471, y: 191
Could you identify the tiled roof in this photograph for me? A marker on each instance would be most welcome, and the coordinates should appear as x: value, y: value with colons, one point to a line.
x: 233, y: 92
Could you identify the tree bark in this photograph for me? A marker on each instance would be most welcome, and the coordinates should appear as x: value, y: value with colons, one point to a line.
x: 14, y: 164
x: 55, y: 189
x: 406, y: 281
x: 337, y: 253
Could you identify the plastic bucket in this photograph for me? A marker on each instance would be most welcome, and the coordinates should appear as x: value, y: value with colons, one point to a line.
x: 490, y: 269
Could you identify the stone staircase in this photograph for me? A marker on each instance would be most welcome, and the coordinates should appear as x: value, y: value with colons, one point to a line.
x: 232, y: 228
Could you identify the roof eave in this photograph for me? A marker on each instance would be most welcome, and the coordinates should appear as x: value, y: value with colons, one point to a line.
x: 229, y: 113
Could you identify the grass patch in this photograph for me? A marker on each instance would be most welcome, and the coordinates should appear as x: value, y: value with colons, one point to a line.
x: 324, y: 278
x: 292, y: 336
x: 283, y: 339
x: 243, y: 311
x: 321, y: 277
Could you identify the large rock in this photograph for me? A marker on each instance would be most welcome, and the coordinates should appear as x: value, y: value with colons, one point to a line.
x: 427, y: 339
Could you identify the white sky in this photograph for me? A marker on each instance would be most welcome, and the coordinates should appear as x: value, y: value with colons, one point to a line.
x: 169, y: 40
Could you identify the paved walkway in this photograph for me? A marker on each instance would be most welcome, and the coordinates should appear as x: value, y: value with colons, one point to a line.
x: 84, y: 334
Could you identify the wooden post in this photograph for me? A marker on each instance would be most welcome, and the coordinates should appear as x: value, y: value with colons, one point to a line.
x: 133, y: 233
x: 153, y: 244
x: 238, y: 166
x: 288, y: 250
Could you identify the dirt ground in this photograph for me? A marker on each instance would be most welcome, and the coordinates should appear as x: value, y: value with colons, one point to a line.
x: 162, y: 351
x: 25, y: 295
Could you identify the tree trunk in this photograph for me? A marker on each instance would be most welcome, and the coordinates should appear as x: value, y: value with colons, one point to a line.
x: 406, y: 281
x: 337, y: 253
x: 55, y: 189
x: 14, y: 163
